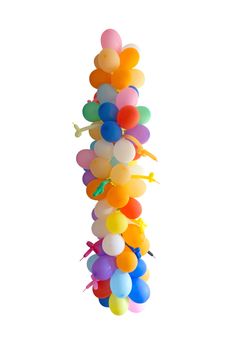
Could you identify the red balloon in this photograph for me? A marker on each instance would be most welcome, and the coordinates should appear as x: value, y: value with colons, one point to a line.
x: 128, y: 117
x: 133, y: 209
x: 103, y: 290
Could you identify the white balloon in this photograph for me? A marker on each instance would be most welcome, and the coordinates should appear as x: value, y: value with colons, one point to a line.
x: 103, y: 149
x: 99, y: 229
x: 113, y: 244
x: 103, y: 209
x: 136, y: 169
x: 131, y: 45
x: 124, y: 151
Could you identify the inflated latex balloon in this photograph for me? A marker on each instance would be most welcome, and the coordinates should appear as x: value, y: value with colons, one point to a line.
x: 110, y: 131
x: 120, y: 174
x: 94, y: 217
x: 137, y: 78
x: 108, y: 111
x: 144, y: 246
x: 117, y: 196
x: 104, y: 267
x: 120, y: 79
x: 146, y: 276
x: 118, y: 306
x: 111, y: 39
x: 140, y: 132
x: 91, y: 261
x: 106, y: 93
x: 128, y: 117
x: 100, y: 167
x: 85, y: 157
x: 95, y: 131
x: 124, y: 151
x: 105, y: 302
x: 144, y: 114
x: 136, y: 169
x: 126, y: 261
x: 90, y: 111
x: 140, y: 269
x: 99, y: 77
x: 103, y: 290
x: 135, y: 187
x: 103, y: 149
x: 102, y: 209
x: 129, y: 58
x: 96, y: 63
x: 120, y: 284
x: 140, y: 292
x: 113, y: 245
x: 133, y: 209
x: 135, y: 307
x: 92, y: 187
x: 87, y: 177
x: 126, y: 97
x: 99, y: 228
x: 116, y: 222
x: 108, y: 60
x: 133, y: 236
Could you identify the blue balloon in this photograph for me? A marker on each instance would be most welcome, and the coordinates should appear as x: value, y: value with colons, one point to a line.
x: 140, y: 269
x: 140, y: 291
x: 111, y: 131
x: 104, y: 302
x: 120, y: 284
x: 108, y: 111
x: 92, y: 145
x: 91, y: 261
x: 134, y: 87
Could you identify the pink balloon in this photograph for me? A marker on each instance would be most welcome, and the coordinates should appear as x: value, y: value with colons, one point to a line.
x: 134, y: 307
x: 127, y: 96
x: 85, y: 157
x: 110, y: 39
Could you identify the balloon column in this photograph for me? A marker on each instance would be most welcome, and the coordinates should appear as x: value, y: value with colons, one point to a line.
x: 113, y: 178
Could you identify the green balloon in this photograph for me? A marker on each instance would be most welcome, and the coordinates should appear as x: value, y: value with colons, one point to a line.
x: 144, y: 114
x: 90, y: 111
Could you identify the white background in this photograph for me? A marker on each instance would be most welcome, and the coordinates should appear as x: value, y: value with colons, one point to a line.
x: 47, y: 49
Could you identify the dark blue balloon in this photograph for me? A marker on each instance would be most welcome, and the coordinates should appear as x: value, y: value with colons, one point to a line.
x: 140, y: 291
x: 104, y: 302
x: 140, y: 269
x: 111, y: 131
x: 108, y: 111
x: 134, y: 87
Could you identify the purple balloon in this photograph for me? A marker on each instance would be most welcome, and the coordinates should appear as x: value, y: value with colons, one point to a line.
x: 94, y: 217
x: 140, y: 132
x: 87, y: 177
x: 104, y: 267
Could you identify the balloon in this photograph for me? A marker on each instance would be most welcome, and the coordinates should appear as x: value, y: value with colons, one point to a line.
x: 116, y: 222
x: 139, y: 270
x: 131, y: 45
x: 146, y: 276
x: 87, y: 177
x: 99, y: 77
x: 85, y: 157
x: 92, y: 145
x: 127, y: 261
x: 114, y: 161
x: 144, y: 114
x: 104, y: 302
x: 96, y: 63
x: 92, y: 187
x: 103, y: 290
x: 117, y: 196
x: 129, y: 58
x: 136, y: 78
x: 108, y: 60
x: 120, y: 284
x: 108, y: 111
x: 110, y: 131
x: 100, y: 168
x: 128, y: 117
x: 124, y: 151
x: 94, y: 217
x: 120, y: 174
x: 134, y: 87
x: 99, y: 228
x: 102, y: 209
x: 103, y: 149
x: 133, y: 236
x: 118, y: 306
x: 133, y: 209
x: 113, y: 244
x: 91, y: 261
x: 140, y: 132
x: 136, y: 169
x: 126, y: 97
x: 134, y: 307
x: 111, y: 39
x: 104, y: 267
x: 144, y: 246
x: 106, y: 93
x: 120, y: 79
x: 95, y: 131
x: 90, y: 111
x: 135, y: 187
x: 140, y: 291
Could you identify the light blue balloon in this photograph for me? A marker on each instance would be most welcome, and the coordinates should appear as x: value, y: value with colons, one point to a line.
x: 114, y: 161
x: 91, y: 261
x: 121, y: 284
x: 92, y: 145
x: 106, y: 93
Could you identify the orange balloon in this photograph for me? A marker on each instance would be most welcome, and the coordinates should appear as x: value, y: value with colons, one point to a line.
x: 146, y: 276
x: 96, y: 61
x: 133, y: 209
x: 121, y: 79
x: 92, y: 186
x: 95, y: 132
x: 144, y: 246
x: 117, y: 197
x: 98, y: 77
x: 127, y: 261
x: 135, y: 187
x: 129, y: 58
x: 100, y: 167
x: 133, y: 236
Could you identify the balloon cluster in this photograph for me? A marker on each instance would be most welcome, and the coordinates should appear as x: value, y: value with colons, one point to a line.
x: 114, y: 179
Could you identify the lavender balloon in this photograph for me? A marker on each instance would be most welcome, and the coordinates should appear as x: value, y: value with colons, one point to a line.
x: 104, y: 267
x: 94, y: 217
x: 87, y: 177
x: 140, y: 132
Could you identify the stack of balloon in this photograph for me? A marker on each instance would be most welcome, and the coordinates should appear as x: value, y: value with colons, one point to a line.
x: 114, y: 179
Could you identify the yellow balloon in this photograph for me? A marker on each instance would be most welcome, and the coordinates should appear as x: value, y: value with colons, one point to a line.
x: 108, y: 60
x: 137, y: 78
x: 100, y: 168
x: 116, y: 222
x: 146, y: 276
x: 120, y: 174
x: 118, y: 306
x: 135, y: 187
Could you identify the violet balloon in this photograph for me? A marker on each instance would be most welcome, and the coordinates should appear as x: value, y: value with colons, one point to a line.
x: 140, y: 132
x: 87, y: 177
x: 94, y: 217
x: 104, y: 267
